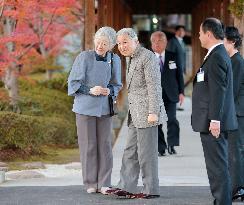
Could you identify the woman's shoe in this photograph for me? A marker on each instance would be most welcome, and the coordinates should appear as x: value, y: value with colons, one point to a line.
x: 91, y: 190
x: 239, y: 194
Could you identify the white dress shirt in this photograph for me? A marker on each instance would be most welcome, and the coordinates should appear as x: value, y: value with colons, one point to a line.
x: 160, y: 54
x: 210, y: 49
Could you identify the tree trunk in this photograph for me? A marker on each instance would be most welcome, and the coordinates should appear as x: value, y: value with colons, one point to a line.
x: 44, y: 55
x: 11, y: 84
x: 10, y: 78
x: 49, y: 74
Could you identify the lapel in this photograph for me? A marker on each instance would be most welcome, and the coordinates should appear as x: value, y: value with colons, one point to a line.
x: 166, y: 61
x: 133, y: 65
x: 216, y: 48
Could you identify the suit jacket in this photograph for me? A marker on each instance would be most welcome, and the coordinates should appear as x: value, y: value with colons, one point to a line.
x: 144, y: 88
x: 213, y: 99
x: 172, y: 79
x: 174, y: 46
x: 238, y: 83
x: 85, y: 72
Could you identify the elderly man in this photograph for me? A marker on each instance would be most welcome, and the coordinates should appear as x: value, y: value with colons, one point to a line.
x: 173, y: 91
x: 145, y: 114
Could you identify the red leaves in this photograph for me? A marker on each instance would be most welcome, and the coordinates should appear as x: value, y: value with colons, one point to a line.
x: 30, y: 24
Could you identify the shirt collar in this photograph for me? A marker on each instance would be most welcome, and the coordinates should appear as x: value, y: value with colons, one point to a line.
x: 211, y: 48
x: 160, y: 54
x: 101, y: 58
x: 179, y: 38
x: 136, y: 51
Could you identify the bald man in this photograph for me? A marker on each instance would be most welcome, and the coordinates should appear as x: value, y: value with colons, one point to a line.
x: 172, y: 92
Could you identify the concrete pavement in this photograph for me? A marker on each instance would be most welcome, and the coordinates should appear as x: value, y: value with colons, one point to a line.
x: 75, y: 195
x: 183, y: 178
x: 187, y: 168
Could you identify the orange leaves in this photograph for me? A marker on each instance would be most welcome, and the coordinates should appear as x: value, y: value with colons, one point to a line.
x: 36, y: 27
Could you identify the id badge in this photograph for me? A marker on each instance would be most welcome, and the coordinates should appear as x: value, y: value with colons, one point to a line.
x: 172, y: 65
x: 200, y: 76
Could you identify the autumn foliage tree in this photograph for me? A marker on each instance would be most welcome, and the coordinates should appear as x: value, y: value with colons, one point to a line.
x: 33, y: 29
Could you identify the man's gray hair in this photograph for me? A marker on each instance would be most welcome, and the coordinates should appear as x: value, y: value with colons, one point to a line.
x: 107, y: 32
x: 128, y: 31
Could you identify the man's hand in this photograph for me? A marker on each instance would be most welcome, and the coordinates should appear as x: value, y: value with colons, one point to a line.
x: 181, y: 99
x: 152, y: 118
x: 214, y: 128
x: 105, y: 91
x: 96, y: 90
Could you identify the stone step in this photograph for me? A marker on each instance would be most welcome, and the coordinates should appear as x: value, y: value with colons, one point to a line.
x: 2, y: 176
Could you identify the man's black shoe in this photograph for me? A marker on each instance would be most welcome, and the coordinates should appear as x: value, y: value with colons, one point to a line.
x: 180, y: 109
x: 162, y: 154
x: 171, y: 150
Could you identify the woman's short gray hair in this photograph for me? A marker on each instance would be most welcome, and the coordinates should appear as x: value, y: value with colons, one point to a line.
x: 107, y: 32
x: 128, y: 31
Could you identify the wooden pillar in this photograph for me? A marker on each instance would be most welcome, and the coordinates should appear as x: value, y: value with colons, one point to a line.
x: 89, y: 23
x: 207, y: 8
x: 198, y: 15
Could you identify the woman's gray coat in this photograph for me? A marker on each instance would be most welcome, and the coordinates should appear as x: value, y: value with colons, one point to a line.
x: 87, y: 71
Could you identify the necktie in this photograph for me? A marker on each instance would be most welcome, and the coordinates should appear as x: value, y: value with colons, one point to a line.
x: 161, y: 63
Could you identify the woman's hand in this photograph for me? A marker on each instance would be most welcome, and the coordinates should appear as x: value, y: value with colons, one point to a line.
x: 96, y: 90
x: 105, y: 91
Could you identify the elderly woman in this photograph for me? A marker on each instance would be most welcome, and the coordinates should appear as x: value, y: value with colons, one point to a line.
x: 95, y: 75
x: 232, y: 42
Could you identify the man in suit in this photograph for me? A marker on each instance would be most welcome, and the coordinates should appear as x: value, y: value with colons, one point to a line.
x: 177, y: 45
x: 145, y: 114
x: 232, y: 43
x: 173, y: 91
x: 213, y: 109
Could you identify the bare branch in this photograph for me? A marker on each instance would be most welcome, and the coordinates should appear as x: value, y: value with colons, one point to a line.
x: 50, y: 22
x: 26, y: 51
x: 2, y: 8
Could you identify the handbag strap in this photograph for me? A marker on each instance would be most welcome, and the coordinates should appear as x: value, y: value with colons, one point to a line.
x: 112, y: 58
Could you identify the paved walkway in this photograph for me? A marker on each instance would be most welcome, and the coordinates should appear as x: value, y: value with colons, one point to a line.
x: 187, y: 168
x: 183, y: 178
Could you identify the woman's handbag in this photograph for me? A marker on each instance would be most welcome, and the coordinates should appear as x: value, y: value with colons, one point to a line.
x: 112, y: 102
x: 112, y: 106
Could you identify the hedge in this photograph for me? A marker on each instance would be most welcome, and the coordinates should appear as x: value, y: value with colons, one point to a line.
x: 31, y: 132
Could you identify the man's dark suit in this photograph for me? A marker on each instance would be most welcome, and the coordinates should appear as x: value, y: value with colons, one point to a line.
x: 175, y: 46
x: 212, y: 99
x: 172, y: 85
x: 236, y: 138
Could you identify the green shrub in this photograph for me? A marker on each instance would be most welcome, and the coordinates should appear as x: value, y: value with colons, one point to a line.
x: 29, y: 133
x: 38, y: 100
x: 57, y: 83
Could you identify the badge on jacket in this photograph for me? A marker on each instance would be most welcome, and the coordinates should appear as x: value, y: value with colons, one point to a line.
x: 200, y: 76
x: 172, y: 65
